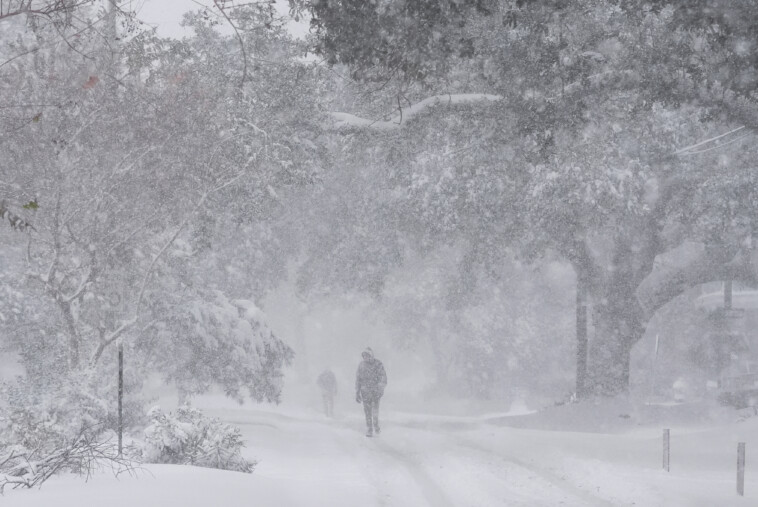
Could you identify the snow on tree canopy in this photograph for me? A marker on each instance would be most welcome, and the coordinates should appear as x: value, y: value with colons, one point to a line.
x: 218, y: 341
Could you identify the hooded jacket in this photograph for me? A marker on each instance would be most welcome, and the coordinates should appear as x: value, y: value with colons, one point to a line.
x: 370, y: 379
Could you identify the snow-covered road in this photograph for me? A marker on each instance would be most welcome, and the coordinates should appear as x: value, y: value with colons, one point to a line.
x: 430, y: 460
x: 439, y: 464
x: 424, y: 460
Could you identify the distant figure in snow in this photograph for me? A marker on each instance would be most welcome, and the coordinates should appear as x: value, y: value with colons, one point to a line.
x: 328, y: 384
x: 370, y: 380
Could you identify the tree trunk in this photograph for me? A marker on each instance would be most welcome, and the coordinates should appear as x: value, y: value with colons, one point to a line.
x: 618, y: 325
x: 73, y: 336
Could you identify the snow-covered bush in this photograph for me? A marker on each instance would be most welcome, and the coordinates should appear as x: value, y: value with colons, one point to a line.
x: 58, y: 429
x: 42, y: 412
x: 188, y: 437
x: 44, y: 417
x: 57, y: 423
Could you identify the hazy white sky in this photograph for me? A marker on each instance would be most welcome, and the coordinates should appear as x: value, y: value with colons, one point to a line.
x: 167, y: 14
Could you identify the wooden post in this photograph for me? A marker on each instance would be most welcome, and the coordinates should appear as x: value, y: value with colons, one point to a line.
x: 728, y: 294
x: 666, y: 449
x: 741, y: 468
x: 581, y: 338
x: 120, y: 398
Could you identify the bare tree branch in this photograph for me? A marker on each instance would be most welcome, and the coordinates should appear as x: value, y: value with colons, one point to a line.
x: 239, y: 38
x: 83, y: 454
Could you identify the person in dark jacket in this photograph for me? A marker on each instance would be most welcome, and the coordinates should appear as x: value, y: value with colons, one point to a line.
x: 370, y: 380
x: 328, y: 384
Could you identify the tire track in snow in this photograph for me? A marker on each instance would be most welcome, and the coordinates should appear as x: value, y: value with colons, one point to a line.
x: 349, y: 450
x: 451, y: 430
x: 533, y: 495
x: 559, y: 482
x: 429, y: 489
x: 434, y: 496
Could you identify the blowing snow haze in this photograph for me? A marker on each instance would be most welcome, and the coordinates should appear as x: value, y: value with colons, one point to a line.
x: 396, y: 253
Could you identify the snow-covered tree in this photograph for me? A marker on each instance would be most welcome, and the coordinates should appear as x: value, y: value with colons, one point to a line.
x: 129, y: 188
x: 570, y: 138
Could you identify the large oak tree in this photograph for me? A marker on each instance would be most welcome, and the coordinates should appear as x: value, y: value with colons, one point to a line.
x: 597, y: 134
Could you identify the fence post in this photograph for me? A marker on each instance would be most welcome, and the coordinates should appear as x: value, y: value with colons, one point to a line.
x: 120, y: 398
x: 666, y: 449
x: 741, y: 468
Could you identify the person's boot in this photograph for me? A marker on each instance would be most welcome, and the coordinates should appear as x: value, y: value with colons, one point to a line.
x: 369, y: 433
x: 377, y: 429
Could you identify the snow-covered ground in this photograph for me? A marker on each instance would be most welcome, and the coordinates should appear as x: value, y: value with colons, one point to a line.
x: 577, y: 455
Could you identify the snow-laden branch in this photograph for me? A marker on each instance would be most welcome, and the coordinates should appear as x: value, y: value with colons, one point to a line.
x: 179, y: 229
x: 705, y: 265
x: 112, y: 337
x: 342, y: 121
x: 85, y: 281
x: 347, y: 121
x: 127, y: 324
x: 89, y: 26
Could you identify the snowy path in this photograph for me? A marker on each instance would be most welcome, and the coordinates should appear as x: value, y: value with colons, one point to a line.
x: 406, y: 466
x: 423, y: 460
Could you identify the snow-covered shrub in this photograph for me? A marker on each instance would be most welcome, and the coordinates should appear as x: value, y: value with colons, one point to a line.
x: 57, y: 423
x: 188, y: 437
x: 44, y: 412
x: 60, y: 428
x: 46, y: 417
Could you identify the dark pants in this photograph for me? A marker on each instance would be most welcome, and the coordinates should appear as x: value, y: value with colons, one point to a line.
x: 328, y: 404
x: 371, y: 408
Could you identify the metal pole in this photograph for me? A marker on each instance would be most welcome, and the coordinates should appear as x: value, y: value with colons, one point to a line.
x: 581, y: 338
x: 120, y: 398
x: 666, y: 449
x: 741, y: 468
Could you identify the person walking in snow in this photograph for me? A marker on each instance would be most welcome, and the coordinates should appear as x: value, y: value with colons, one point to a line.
x: 370, y: 381
x: 328, y: 384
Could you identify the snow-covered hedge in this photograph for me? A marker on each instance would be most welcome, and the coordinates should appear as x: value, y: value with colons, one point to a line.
x: 188, y: 437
